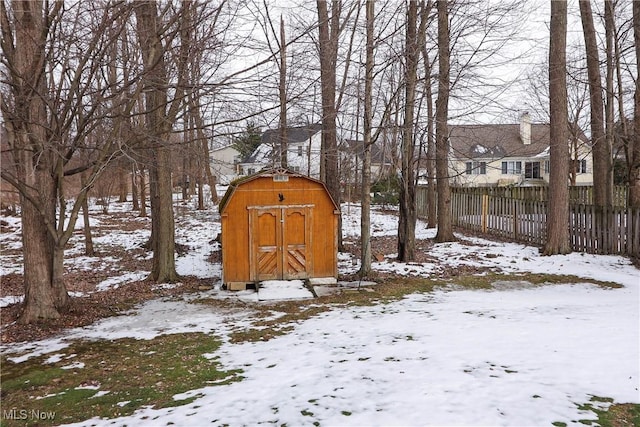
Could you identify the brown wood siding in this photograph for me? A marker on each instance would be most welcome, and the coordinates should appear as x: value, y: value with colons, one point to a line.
x: 314, y: 249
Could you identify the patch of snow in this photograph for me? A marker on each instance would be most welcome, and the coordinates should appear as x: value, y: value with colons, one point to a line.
x: 54, y: 358
x: 50, y: 395
x: 77, y: 294
x: 275, y: 290
x: 75, y: 365
x: 480, y: 149
x: 126, y: 240
x: 88, y: 387
x: 116, y: 281
x: 100, y: 394
x: 165, y: 286
x: 11, y: 299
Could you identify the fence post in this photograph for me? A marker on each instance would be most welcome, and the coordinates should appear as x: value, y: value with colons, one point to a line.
x: 485, y: 212
x: 515, y: 220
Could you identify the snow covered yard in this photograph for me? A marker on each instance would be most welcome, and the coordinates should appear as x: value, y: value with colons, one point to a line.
x: 513, y: 354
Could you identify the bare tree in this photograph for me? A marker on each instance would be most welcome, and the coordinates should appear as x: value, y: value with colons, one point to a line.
x: 55, y: 54
x: 282, y: 89
x: 610, y: 105
x: 445, y: 223
x: 430, y: 164
x: 329, y: 31
x: 558, y: 210
x: 26, y: 126
x: 160, y: 115
x: 365, y: 224
x: 601, y: 149
x: 407, y: 214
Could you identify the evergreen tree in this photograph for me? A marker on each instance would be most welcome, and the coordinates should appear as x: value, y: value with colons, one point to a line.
x: 249, y: 140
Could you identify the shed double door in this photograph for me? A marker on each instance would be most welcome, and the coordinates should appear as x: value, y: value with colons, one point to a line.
x: 280, y: 242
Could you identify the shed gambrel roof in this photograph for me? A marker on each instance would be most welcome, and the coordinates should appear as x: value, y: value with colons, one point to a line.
x: 267, y: 173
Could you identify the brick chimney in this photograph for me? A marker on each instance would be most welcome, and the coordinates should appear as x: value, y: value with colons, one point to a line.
x: 525, y: 128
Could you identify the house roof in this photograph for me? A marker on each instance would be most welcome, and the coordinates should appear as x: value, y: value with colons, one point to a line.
x: 270, y: 141
x: 500, y: 140
x: 294, y: 134
x: 496, y: 141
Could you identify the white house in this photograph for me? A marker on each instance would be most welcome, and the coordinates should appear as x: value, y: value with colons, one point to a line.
x: 511, y: 154
x: 224, y: 163
x: 302, y: 150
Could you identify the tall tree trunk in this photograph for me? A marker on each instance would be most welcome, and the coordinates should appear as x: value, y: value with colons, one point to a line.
x: 445, y: 223
x: 40, y: 302
x: 143, y: 191
x: 601, y: 151
x: 283, y: 144
x: 162, y: 219
x: 135, y: 198
x: 88, y: 240
x: 123, y: 182
x: 40, y: 298
x: 328, y: 41
x: 407, y: 214
x: 200, y: 193
x: 558, y: 215
x: 211, y: 178
x: 430, y: 162
x: 634, y: 150
x: 365, y: 224
x: 610, y: 102
x: 158, y: 125
x: 204, y: 147
x: 185, y: 169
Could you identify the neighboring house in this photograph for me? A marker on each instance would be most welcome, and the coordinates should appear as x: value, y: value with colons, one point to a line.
x: 225, y: 163
x: 382, y: 161
x: 510, y: 154
x: 302, y: 150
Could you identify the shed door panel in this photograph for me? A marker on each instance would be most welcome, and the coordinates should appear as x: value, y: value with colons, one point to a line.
x: 296, y: 236
x: 266, y: 241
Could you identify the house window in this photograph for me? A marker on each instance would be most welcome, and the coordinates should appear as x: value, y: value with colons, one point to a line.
x: 300, y: 150
x: 251, y: 171
x: 296, y: 168
x: 581, y: 166
x: 547, y: 166
x: 532, y: 170
x: 476, y: 168
x: 511, y: 168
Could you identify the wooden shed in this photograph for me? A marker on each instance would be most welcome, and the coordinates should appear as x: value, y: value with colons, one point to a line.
x: 278, y: 225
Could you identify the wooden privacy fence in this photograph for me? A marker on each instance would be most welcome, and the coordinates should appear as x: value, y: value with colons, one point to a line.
x: 524, y: 219
x: 604, y: 230
x: 577, y: 194
x: 514, y: 219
